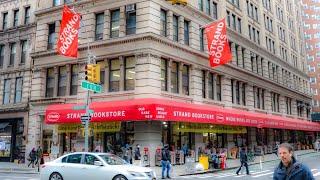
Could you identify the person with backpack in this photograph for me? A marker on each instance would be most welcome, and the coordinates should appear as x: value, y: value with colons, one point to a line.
x: 243, y: 160
x: 32, y: 157
x: 165, y: 161
x: 137, y: 154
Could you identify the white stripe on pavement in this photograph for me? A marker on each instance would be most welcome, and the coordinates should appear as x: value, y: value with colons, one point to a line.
x: 262, y: 175
x: 316, y: 174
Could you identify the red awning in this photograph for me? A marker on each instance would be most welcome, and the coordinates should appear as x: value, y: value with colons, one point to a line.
x: 168, y: 110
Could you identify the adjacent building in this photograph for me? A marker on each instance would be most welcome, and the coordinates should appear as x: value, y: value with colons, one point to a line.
x: 158, y: 87
x: 17, y: 34
x: 311, y: 20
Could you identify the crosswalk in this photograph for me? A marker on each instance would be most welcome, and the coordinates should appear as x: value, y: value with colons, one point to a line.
x: 258, y: 174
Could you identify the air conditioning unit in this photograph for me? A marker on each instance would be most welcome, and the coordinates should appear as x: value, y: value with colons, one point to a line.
x: 130, y: 8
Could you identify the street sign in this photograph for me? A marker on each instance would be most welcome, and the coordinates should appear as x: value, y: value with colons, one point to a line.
x: 91, y: 86
x: 84, y: 119
x: 79, y: 107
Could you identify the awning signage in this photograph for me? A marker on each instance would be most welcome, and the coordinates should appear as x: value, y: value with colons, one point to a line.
x: 208, y: 128
x: 168, y: 110
x: 96, y: 127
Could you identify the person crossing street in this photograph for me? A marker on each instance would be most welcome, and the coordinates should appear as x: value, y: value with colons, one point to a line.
x: 243, y: 160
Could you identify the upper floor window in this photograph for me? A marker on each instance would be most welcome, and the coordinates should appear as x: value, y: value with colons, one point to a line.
x: 131, y: 20
x: 114, y: 81
x: 208, y: 9
x: 99, y: 26
x: 129, y: 73
x: 214, y: 87
x: 267, y: 4
x: 164, y: 74
x: 258, y: 97
x: 67, y: 1
x: 175, y: 77
x: 15, y: 18
x: 18, y: 90
x: 24, y: 49
x: 1, y: 55
x: 5, y: 21
x: 275, y: 105
x: 50, y: 82
x: 6, y: 91
x: 175, y: 24
x: 51, y: 36
x: 13, y: 51
x: 62, y: 81
x: 185, y: 80
x: 235, y: 3
x: 163, y: 22
x: 74, y: 79
x: 215, y: 10
x: 27, y: 15
x: 115, y: 23
x: 186, y: 32
x: 56, y: 2
x: 201, y: 33
x: 288, y: 105
x: 200, y: 5
x: 204, y: 94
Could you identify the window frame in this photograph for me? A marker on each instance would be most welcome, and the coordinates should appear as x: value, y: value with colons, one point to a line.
x: 18, y: 90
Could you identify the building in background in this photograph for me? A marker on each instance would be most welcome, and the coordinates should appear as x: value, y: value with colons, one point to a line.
x: 17, y: 34
x: 311, y: 21
x: 158, y: 87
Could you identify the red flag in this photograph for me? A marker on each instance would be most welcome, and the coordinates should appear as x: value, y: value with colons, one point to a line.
x: 68, y: 37
x: 218, y: 45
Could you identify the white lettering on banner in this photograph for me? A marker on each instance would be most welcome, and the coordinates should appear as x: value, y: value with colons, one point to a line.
x: 217, y: 44
x: 98, y: 114
x: 68, y: 34
x: 193, y: 115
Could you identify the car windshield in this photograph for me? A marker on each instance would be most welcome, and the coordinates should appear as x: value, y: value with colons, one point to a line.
x: 112, y: 159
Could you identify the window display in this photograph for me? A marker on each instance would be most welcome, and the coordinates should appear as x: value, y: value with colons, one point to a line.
x: 5, y: 139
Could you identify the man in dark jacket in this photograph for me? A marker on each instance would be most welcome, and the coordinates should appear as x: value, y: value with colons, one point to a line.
x: 289, y: 168
x: 165, y: 161
x: 243, y: 160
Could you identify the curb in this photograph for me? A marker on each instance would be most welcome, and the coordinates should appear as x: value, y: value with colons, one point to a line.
x: 218, y: 170
x: 19, y: 172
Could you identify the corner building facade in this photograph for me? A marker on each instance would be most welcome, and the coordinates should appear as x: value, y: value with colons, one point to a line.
x: 158, y: 87
x: 17, y: 35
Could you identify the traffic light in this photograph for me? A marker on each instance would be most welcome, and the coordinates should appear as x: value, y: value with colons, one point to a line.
x: 179, y: 2
x: 93, y: 73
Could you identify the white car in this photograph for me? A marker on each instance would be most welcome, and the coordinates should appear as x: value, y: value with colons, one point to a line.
x: 93, y: 166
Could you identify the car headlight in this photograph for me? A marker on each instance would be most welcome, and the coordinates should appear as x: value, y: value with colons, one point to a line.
x: 136, y: 174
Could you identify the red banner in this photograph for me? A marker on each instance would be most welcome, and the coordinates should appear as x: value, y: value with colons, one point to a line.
x: 68, y: 37
x: 218, y: 45
x: 167, y: 110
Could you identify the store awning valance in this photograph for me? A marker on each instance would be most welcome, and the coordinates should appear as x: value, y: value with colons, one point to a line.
x: 169, y: 110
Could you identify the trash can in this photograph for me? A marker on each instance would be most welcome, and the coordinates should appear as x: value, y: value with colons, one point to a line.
x: 204, y: 161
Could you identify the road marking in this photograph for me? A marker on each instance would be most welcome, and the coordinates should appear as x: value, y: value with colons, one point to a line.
x: 262, y: 174
x: 316, y: 174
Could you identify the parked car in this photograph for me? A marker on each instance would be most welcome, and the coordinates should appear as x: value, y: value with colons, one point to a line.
x: 93, y: 166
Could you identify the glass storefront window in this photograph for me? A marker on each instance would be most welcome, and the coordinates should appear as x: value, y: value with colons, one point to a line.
x: 5, y: 139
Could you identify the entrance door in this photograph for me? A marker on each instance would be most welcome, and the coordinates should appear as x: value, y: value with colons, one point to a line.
x: 5, y: 141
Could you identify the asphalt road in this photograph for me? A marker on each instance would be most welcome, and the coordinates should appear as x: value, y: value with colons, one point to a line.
x: 312, y: 161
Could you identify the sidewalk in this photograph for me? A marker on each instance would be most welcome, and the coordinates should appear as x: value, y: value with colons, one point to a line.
x: 181, y: 170
x: 177, y: 170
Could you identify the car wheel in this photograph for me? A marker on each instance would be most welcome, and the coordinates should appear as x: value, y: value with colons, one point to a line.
x: 120, y: 177
x: 55, y: 176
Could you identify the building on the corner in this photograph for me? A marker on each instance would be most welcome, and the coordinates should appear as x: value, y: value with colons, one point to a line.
x: 311, y: 20
x: 17, y: 34
x: 158, y: 87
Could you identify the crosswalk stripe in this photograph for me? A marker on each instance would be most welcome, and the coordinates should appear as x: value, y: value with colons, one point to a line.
x: 316, y: 174
x: 262, y: 174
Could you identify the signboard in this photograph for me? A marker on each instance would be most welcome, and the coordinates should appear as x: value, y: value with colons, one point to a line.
x: 84, y: 119
x: 208, y: 128
x: 79, y: 107
x: 91, y: 86
x: 96, y: 127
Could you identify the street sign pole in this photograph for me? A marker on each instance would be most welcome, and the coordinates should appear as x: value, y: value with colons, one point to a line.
x: 86, y: 131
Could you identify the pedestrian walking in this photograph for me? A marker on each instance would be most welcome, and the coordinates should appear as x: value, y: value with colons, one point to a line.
x: 289, y: 168
x: 316, y: 145
x: 165, y: 161
x: 243, y: 160
x: 32, y: 157
x: 137, y: 154
x: 130, y: 154
x: 39, y: 158
x: 276, y: 148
